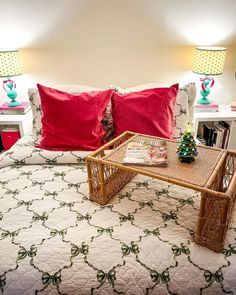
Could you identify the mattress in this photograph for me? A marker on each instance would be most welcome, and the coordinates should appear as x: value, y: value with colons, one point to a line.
x: 54, y: 240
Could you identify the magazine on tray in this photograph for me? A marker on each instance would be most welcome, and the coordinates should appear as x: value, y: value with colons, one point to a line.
x: 146, y: 153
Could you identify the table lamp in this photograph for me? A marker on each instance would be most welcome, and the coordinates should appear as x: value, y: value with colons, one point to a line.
x: 10, y: 66
x: 208, y: 61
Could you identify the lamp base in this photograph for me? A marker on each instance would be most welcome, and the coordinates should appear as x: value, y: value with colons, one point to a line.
x: 8, y: 86
x: 203, y: 100
x: 14, y: 103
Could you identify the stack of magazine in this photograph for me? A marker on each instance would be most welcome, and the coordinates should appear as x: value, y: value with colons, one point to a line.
x: 19, y: 110
x: 202, y: 108
x: 146, y: 153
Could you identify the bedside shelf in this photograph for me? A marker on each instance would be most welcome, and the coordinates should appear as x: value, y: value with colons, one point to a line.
x: 23, y: 123
x: 224, y: 114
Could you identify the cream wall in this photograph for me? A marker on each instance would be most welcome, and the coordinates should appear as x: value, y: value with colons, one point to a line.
x: 124, y: 42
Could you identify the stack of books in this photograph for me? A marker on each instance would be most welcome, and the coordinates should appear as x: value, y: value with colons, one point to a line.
x: 19, y: 110
x: 216, y: 134
x: 212, y: 107
x: 233, y: 106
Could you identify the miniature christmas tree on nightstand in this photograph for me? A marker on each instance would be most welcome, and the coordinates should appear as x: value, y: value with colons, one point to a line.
x: 187, y: 150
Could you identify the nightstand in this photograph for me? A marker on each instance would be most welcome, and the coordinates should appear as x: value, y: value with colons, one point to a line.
x: 224, y: 114
x: 23, y: 123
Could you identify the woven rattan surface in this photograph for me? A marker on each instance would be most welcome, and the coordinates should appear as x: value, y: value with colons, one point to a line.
x: 196, y: 173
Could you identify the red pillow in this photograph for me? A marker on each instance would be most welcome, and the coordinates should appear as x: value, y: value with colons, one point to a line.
x: 72, y: 121
x: 148, y: 111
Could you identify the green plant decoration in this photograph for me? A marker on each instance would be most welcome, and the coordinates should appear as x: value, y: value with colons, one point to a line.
x: 187, y: 150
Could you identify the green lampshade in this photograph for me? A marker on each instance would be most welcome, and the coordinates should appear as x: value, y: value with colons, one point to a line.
x: 209, y: 60
x: 10, y: 63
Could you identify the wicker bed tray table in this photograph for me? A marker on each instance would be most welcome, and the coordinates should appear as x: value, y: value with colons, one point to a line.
x: 213, y: 173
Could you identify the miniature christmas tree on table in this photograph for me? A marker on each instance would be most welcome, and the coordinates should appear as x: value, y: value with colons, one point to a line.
x: 187, y: 150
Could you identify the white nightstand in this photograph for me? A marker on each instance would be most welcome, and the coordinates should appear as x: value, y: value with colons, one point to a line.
x: 224, y: 114
x: 22, y: 122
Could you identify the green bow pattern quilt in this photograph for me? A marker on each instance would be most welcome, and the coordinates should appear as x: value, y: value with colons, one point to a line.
x: 54, y: 240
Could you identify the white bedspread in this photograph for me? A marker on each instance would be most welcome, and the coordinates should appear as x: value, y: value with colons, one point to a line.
x: 54, y: 240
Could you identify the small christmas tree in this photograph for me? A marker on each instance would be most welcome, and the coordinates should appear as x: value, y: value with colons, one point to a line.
x: 187, y: 150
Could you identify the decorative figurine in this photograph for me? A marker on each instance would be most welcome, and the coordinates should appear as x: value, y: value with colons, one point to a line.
x: 187, y: 150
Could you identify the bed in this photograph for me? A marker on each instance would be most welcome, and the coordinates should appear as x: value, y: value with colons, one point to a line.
x: 54, y: 240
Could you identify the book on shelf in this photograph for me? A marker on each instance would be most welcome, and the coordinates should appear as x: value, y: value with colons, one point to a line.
x: 146, y: 153
x: 208, y: 132
x: 19, y: 110
x: 219, y: 136
x: 226, y: 128
x: 216, y: 134
x: 212, y: 107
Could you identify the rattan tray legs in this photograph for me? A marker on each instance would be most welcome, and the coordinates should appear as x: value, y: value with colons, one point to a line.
x: 216, y: 211
x: 213, y: 222
x: 105, y: 181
